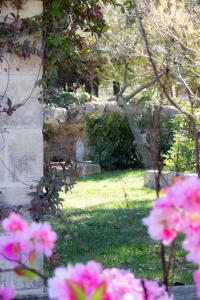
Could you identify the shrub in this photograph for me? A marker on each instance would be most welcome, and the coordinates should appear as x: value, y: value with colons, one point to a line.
x: 180, y: 156
x: 63, y: 98
x: 111, y: 142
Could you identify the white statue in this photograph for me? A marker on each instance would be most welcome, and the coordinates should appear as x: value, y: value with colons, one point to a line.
x: 80, y: 150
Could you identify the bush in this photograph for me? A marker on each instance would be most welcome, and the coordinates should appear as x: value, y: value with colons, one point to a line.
x: 180, y: 157
x: 111, y: 142
x: 63, y: 98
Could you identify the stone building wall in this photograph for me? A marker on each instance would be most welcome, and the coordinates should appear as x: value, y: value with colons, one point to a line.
x: 21, y: 140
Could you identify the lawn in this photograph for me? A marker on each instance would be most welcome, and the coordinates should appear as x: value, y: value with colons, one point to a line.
x: 104, y: 222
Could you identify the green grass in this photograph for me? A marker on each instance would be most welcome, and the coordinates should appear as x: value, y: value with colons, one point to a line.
x: 108, y: 227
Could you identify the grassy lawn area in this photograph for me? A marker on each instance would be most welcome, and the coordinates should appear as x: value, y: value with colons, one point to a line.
x: 110, y: 227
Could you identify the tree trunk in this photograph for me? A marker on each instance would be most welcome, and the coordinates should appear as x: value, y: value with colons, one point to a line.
x: 142, y: 144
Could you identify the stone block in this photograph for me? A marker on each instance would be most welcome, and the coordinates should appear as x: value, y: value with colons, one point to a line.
x: 84, y: 169
x: 89, y: 108
x: 15, y: 194
x: 99, y: 108
x: 186, y: 292
x: 113, y: 106
x: 30, y: 8
x: 165, y: 180
x: 53, y: 116
x: 21, y: 139
x: 9, y: 278
x: 24, y: 159
x: 21, y: 90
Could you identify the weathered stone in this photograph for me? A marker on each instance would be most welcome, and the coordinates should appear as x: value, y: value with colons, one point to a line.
x: 94, y: 108
x: 21, y: 140
x: 30, y: 295
x: 112, y: 106
x: 84, y: 169
x: 186, y: 292
x: 99, y: 109
x: 165, y: 180
x: 54, y: 116
x: 89, y: 108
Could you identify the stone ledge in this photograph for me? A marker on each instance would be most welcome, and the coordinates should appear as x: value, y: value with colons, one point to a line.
x: 86, y: 168
x: 186, y: 292
x: 165, y: 180
x: 40, y: 294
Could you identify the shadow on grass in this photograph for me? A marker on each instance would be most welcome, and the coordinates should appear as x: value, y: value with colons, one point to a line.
x: 115, y: 237
x: 120, y: 174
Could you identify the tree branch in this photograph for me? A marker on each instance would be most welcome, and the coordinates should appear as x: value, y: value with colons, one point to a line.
x: 149, y: 53
x: 143, y: 86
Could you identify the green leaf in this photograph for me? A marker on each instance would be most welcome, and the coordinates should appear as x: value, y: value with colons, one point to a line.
x: 99, y: 292
x: 76, y: 290
x: 28, y: 274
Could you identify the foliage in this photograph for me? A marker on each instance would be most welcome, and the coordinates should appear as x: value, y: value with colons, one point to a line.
x: 47, y: 199
x: 180, y: 156
x: 65, y: 28
x: 63, y: 98
x: 111, y: 142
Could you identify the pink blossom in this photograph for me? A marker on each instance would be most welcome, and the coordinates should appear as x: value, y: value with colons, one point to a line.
x: 7, y: 293
x: 153, y: 290
x: 196, y: 276
x: 185, y: 194
x: 121, y: 284
x: 192, y: 245
x: 14, y: 223
x: 162, y: 224
x: 12, y: 249
x: 87, y: 276
x: 177, y: 211
x: 58, y: 287
x: 42, y: 237
x: 24, y: 241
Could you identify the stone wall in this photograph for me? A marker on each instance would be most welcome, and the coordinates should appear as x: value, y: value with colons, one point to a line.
x: 21, y: 140
x: 63, y: 127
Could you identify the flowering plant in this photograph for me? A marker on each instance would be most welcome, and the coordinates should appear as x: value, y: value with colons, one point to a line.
x: 177, y: 211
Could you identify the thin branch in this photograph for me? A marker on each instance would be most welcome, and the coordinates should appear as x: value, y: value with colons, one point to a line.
x: 144, y: 35
x: 143, y: 86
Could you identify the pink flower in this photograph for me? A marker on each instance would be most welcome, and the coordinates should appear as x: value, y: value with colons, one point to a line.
x: 24, y: 241
x: 58, y: 287
x: 11, y: 249
x: 7, y: 293
x: 14, y: 223
x: 192, y: 245
x: 42, y: 237
x: 154, y: 291
x: 185, y: 194
x: 196, y: 276
x: 88, y: 277
x: 176, y: 212
x: 121, y: 284
x: 162, y: 223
